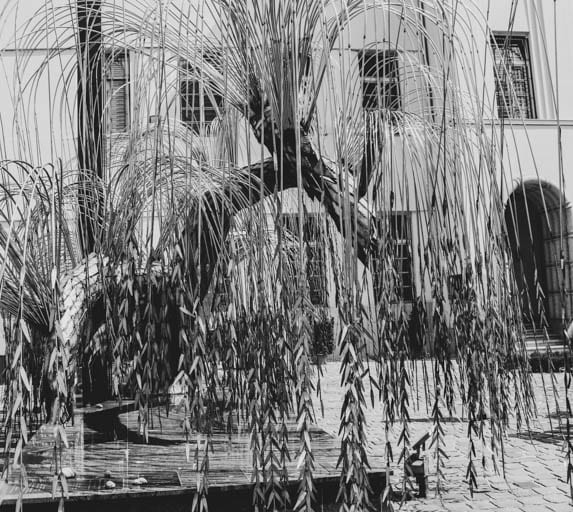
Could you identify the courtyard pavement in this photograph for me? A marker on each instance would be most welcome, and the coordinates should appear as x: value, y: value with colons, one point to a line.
x: 535, y: 467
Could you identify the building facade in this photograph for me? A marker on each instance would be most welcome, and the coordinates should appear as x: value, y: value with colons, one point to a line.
x: 494, y: 78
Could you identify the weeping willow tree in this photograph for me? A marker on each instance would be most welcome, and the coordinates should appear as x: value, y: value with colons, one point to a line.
x: 242, y: 112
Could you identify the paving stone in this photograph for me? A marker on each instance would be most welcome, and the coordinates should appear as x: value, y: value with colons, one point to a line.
x: 561, y: 507
x: 483, y: 505
x: 517, y: 476
x: 507, y: 502
x: 554, y: 497
x: 505, y: 487
x: 517, y: 492
x: 548, y: 481
x: 427, y: 507
x: 534, y: 468
x: 458, y: 507
x: 527, y: 484
x: 533, y: 501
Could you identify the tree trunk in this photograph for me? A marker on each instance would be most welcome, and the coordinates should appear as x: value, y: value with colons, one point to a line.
x: 319, y: 179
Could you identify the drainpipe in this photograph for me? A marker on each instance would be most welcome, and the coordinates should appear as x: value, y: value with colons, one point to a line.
x: 90, y: 108
x: 426, y: 55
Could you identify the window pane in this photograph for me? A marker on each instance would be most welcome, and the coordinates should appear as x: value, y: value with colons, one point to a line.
x: 394, y: 230
x: 380, y: 80
x: 199, y: 105
x: 315, y: 255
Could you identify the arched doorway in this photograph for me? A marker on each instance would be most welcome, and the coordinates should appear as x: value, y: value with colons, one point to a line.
x: 538, y: 221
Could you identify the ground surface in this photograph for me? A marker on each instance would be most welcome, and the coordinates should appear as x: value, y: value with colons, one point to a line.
x: 535, y: 468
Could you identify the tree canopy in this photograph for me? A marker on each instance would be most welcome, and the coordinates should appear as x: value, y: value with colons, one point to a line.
x: 191, y: 273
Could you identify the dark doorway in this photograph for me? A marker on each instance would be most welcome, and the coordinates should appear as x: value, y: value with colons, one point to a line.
x: 524, y: 222
x: 538, y: 220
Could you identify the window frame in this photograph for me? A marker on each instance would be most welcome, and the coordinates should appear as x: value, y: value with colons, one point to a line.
x: 403, y: 261
x: 382, y: 101
x: 207, y: 114
x: 507, y: 100
x: 315, y: 267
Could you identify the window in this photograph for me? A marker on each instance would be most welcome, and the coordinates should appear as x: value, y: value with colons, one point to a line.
x: 116, y: 97
x: 394, y: 230
x: 315, y: 261
x: 199, y: 104
x: 513, y: 82
x: 380, y: 80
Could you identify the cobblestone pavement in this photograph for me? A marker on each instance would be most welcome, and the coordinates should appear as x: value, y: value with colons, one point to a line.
x: 535, y: 470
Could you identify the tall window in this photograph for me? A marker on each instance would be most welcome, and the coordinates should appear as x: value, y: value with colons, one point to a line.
x: 380, y: 80
x: 513, y: 82
x: 395, y: 234
x: 116, y: 97
x: 315, y: 260
x: 199, y: 104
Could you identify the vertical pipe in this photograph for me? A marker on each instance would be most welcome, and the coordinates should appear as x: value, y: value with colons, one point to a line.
x: 90, y: 107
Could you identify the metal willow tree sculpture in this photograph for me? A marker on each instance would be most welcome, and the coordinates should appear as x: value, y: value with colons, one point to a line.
x: 194, y: 280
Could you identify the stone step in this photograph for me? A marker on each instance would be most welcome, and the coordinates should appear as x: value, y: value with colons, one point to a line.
x: 539, y: 340
x: 543, y: 345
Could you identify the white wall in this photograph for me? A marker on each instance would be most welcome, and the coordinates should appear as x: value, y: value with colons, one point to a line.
x: 532, y: 143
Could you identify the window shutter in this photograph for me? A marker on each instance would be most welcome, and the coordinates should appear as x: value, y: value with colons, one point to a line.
x: 117, y: 99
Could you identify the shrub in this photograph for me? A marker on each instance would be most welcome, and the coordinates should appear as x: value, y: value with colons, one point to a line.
x: 323, y: 339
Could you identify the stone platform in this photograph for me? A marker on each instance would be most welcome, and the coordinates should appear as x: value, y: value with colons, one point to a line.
x: 104, y: 446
